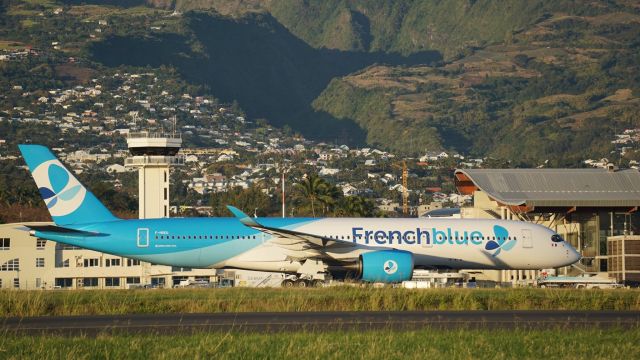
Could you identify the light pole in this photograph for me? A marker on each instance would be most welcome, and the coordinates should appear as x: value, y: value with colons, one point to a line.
x: 283, y: 170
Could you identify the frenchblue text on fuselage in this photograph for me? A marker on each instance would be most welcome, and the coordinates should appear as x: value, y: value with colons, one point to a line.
x: 416, y: 237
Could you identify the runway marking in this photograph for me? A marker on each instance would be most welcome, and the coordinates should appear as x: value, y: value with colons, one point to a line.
x: 318, y: 321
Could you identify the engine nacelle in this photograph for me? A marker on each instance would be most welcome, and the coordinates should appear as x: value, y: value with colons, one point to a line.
x: 386, y: 266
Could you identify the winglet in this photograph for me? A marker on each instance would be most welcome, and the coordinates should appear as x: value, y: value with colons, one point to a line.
x: 244, y: 218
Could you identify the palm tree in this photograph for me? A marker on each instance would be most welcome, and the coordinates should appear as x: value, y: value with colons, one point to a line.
x: 313, y: 188
x: 330, y: 196
x: 357, y: 206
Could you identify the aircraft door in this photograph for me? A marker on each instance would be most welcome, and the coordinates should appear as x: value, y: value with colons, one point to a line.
x: 527, y: 240
x: 143, y: 237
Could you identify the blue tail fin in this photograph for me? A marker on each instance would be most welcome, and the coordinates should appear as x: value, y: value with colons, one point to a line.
x: 68, y: 201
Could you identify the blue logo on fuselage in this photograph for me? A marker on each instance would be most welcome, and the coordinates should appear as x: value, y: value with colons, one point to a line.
x: 502, y: 241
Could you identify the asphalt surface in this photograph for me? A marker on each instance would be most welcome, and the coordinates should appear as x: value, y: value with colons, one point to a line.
x: 316, y: 321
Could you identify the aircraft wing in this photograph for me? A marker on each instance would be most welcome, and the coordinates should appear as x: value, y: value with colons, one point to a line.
x: 315, y: 242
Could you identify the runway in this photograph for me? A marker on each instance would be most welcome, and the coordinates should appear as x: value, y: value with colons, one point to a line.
x: 317, y: 321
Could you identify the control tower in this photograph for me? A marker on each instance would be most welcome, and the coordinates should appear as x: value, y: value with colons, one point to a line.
x: 153, y: 153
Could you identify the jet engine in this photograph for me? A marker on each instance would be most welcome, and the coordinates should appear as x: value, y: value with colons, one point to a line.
x: 386, y: 266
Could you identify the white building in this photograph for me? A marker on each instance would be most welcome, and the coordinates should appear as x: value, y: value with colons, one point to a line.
x: 116, y: 168
x: 30, y: 263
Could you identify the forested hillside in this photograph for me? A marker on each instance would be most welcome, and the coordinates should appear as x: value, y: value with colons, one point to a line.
x: 557, y: 90
x: 406, y: 26
x: 526, y: 80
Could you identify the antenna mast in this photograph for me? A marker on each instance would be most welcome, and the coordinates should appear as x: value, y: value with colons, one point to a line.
x: 405, y: 190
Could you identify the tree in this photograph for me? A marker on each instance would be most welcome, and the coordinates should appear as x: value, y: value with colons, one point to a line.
x: 332, y: 196
x: 356, y: 206
x: 315, y: 189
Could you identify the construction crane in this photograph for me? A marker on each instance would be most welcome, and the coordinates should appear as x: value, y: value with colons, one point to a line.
x: 405, y: 188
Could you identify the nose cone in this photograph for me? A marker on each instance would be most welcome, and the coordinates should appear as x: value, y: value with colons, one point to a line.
x: 577, y: 255
x: 573, y: 255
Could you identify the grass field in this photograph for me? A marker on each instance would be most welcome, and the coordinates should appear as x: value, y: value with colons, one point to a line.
x: 345, y: 298
x: 10, y: 45
x: 423, y: 344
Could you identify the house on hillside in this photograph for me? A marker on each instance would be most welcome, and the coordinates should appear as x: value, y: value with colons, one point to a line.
x: 116, y: 168
x: 349, y: 190
x: 328, y: 171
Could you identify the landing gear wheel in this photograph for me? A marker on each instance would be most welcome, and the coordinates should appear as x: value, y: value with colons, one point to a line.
x: 301, y: 283
x: 317, y: 283
x: 287, y: 283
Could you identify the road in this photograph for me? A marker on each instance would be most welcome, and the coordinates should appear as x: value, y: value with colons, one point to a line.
x: 316, y: 321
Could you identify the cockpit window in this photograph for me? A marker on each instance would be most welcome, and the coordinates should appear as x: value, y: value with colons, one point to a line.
x: 557, y: 238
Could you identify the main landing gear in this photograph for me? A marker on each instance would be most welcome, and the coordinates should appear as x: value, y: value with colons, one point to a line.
x: 294, y: 281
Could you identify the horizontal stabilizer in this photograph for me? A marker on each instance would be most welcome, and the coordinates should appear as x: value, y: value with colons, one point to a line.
x: 21, y: 228
x: 62, y: 230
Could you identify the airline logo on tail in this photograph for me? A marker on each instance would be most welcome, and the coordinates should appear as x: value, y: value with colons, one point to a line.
x: 61, y: 191
x: 502, y: 242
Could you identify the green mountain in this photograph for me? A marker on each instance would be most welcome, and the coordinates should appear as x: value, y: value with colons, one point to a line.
x: 256, y: 61
x: 405, y: 26
x: 526, y: 80
x: 556, y: 90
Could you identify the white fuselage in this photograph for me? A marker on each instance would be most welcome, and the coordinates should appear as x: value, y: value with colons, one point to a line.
x: 435, y: 243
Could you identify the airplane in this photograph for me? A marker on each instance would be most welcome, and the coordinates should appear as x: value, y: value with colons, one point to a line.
x: 309, y: 250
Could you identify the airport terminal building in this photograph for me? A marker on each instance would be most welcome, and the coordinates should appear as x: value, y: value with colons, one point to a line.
x: 596, y: 210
